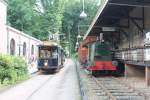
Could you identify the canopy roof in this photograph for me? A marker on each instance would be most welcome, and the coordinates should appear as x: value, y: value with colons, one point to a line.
x: 110, y: 13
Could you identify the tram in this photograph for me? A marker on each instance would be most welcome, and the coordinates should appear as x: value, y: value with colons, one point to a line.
x: 51, y: 56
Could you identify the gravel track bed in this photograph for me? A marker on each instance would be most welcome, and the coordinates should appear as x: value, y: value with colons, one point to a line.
x: 114, y: 88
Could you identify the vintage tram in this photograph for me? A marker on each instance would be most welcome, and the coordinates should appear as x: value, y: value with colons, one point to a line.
x: 51, y: 56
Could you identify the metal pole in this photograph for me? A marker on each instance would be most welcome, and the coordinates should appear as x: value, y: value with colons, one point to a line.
x: 69, y: 42
x: 78, y: 28
x: 83, y: 5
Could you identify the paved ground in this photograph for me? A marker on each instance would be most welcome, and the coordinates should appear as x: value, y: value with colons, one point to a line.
x: 60, y: 86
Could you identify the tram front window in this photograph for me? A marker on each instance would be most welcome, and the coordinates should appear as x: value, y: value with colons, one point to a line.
x: 47, y: 52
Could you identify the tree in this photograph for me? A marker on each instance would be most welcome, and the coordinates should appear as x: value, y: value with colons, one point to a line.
x: 71, y: 19
x: 26, y: 16
x: 53, y: 12
x: 20, y: 14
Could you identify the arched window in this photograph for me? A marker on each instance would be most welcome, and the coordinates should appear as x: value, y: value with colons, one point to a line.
x: 12, y: 47
x: 24, y: 49
x: 32, y: 49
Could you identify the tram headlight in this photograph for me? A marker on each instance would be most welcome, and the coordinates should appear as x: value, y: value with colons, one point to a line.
x: 45, y: 63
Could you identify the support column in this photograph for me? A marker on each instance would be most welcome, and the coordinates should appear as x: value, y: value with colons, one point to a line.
x: 147, y: 75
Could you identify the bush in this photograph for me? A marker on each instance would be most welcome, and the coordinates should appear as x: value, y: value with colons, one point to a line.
x: 20, y: 66
x: 12, y: 69
x: 74, y: 55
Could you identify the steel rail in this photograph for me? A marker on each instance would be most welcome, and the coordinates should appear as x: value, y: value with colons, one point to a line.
x: 105, y: 89
x: 140, y: 93
x: 123, y: 91
x: 114, y: 97
x: 36, y: 90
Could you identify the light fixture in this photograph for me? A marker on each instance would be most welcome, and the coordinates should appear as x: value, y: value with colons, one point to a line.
x: 79, y: 36
x: 83, y: 14
x: 77, y: 43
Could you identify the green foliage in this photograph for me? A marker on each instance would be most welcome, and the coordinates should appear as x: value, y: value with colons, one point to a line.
x: 20, y: 14
x: 26, y: 15
x: 71, y: 19
x: 74, y: 55
x: 53, y: 14
x: 12, y: 69
x: 21, y: 67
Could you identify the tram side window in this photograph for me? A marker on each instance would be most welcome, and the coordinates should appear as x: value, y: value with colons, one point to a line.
x: 54, y: 53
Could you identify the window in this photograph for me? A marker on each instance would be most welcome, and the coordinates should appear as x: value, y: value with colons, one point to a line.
x: 12, y: 47
x: 24, y: 49
x: 48, y: 52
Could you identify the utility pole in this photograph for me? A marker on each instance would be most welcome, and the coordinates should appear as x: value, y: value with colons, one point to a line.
x: 69, y: 42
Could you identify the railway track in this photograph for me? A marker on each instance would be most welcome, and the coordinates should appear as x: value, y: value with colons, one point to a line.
x: 38, y: 88
x: 109, y: 88
x: 116, y: 90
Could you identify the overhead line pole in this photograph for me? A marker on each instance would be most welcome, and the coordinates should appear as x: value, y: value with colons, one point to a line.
x: 69, y: 41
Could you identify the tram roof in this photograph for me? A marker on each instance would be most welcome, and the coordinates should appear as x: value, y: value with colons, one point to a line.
x: 50, y: 43
x: 111, y: 11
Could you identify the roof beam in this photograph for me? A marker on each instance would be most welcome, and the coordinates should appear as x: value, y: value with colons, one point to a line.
x: 137, y: 25
x: 123, y: 17
x: 130, y: 3
x: 124, y: 32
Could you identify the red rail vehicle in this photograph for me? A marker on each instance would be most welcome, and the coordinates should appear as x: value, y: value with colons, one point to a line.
x: 82, y: 54
x: 83, y: 50
x: 100, y: 59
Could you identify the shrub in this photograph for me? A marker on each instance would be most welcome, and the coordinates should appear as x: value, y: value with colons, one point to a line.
x: 20, y: 66
x: 74, y: 55
x: 12, y: 69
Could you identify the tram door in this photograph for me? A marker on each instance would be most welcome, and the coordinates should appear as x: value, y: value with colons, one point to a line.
x: 59, y: 57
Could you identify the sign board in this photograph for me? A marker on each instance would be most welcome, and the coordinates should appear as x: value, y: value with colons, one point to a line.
x: 54, y: 37
x: 89, y: 39
x: 108, y: 29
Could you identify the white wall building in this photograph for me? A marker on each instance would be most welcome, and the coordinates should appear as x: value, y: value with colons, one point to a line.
x: 13, y: 41
x: 3, y: 33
